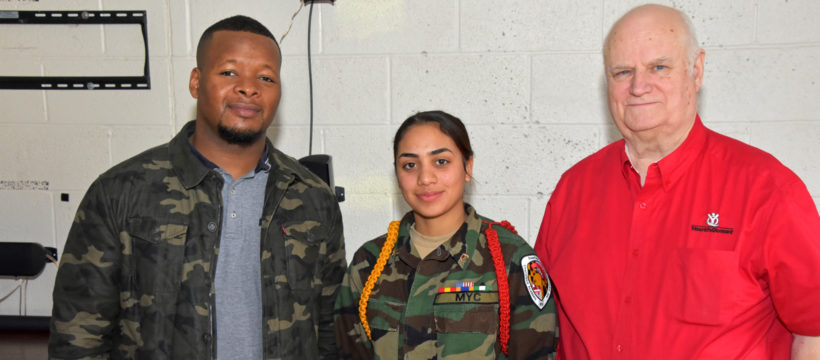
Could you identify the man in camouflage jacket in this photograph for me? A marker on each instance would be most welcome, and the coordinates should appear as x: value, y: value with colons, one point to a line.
x: 413, y: 314
x: 137, y: 273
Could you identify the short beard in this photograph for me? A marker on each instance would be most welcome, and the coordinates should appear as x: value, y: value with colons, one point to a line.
x: 241, y: 138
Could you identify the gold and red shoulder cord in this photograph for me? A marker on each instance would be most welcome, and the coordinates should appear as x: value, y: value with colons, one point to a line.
x: 498, y: 264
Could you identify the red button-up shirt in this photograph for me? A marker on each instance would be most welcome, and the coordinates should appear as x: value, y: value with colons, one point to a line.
x: 717, y: 256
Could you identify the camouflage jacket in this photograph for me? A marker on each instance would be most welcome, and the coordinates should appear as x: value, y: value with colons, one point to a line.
x: 411, y: 317
x: 137, y: 273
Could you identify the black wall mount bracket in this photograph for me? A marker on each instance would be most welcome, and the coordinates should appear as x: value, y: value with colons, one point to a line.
x: 81, y: 17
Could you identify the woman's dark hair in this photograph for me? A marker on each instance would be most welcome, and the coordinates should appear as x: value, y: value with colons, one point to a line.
x: 448, y: 124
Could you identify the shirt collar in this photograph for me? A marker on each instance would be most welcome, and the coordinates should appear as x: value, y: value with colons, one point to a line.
x: 673, y: 166
x: 262, y: 165
x: 454, y: 248
x: 631, y: 176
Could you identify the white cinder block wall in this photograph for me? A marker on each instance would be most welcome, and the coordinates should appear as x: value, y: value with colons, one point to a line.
x: 524, y: 75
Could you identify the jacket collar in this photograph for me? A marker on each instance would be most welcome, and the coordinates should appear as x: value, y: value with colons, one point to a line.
x: 459, y: 250
x: 192, y: 171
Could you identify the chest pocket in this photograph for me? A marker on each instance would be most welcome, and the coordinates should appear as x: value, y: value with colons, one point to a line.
x: 153, y: 263
x: 466, y: 324
x: 706, y: 279
x: 157, y: 255
x: 384, y: 317
x: 305, y: 248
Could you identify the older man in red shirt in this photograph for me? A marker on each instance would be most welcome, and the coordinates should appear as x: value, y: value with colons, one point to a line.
x: 677, y: 242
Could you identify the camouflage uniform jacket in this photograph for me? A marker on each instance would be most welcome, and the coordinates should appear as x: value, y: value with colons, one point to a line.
x: 410, y: 319
x: 137, y: 272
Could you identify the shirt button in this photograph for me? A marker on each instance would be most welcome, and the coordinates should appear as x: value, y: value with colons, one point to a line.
x: 233, y: 215
x: 233, y: 191
x: 206, y: 338
x: 211, y: 226
x: 643, y: 205
x: 619, y: 348
x: 628, y: 300
x: 635, y: 252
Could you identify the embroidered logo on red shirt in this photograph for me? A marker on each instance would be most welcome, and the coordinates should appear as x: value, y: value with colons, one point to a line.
x: 712, y: 222
x: 712, y: 219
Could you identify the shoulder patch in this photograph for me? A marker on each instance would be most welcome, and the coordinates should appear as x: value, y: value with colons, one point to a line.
x: 536, y: 279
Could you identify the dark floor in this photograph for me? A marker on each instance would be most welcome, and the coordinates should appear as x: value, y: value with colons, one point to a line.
x: 23, y: 345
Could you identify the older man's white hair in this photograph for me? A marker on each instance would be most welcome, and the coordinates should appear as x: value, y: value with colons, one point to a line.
x: 690, y: 39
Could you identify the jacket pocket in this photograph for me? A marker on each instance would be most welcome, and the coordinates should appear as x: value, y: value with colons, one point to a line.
x: 153, y: 265
x: 158, y: 254
x: 385, y: 320
x: 466, y: 331
x: 705, y: 278
x: 305, y: 248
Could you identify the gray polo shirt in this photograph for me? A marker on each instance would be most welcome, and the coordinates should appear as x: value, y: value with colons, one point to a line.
x: 238, y: 279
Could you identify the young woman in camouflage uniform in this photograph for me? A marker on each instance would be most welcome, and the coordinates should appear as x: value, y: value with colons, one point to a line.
x: 444, y: 282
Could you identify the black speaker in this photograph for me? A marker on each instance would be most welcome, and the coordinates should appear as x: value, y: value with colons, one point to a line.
x: 24, y: 259
x: 322, y: 166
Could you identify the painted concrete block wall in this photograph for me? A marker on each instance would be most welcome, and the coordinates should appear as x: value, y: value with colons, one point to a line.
x: 524, y: 75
